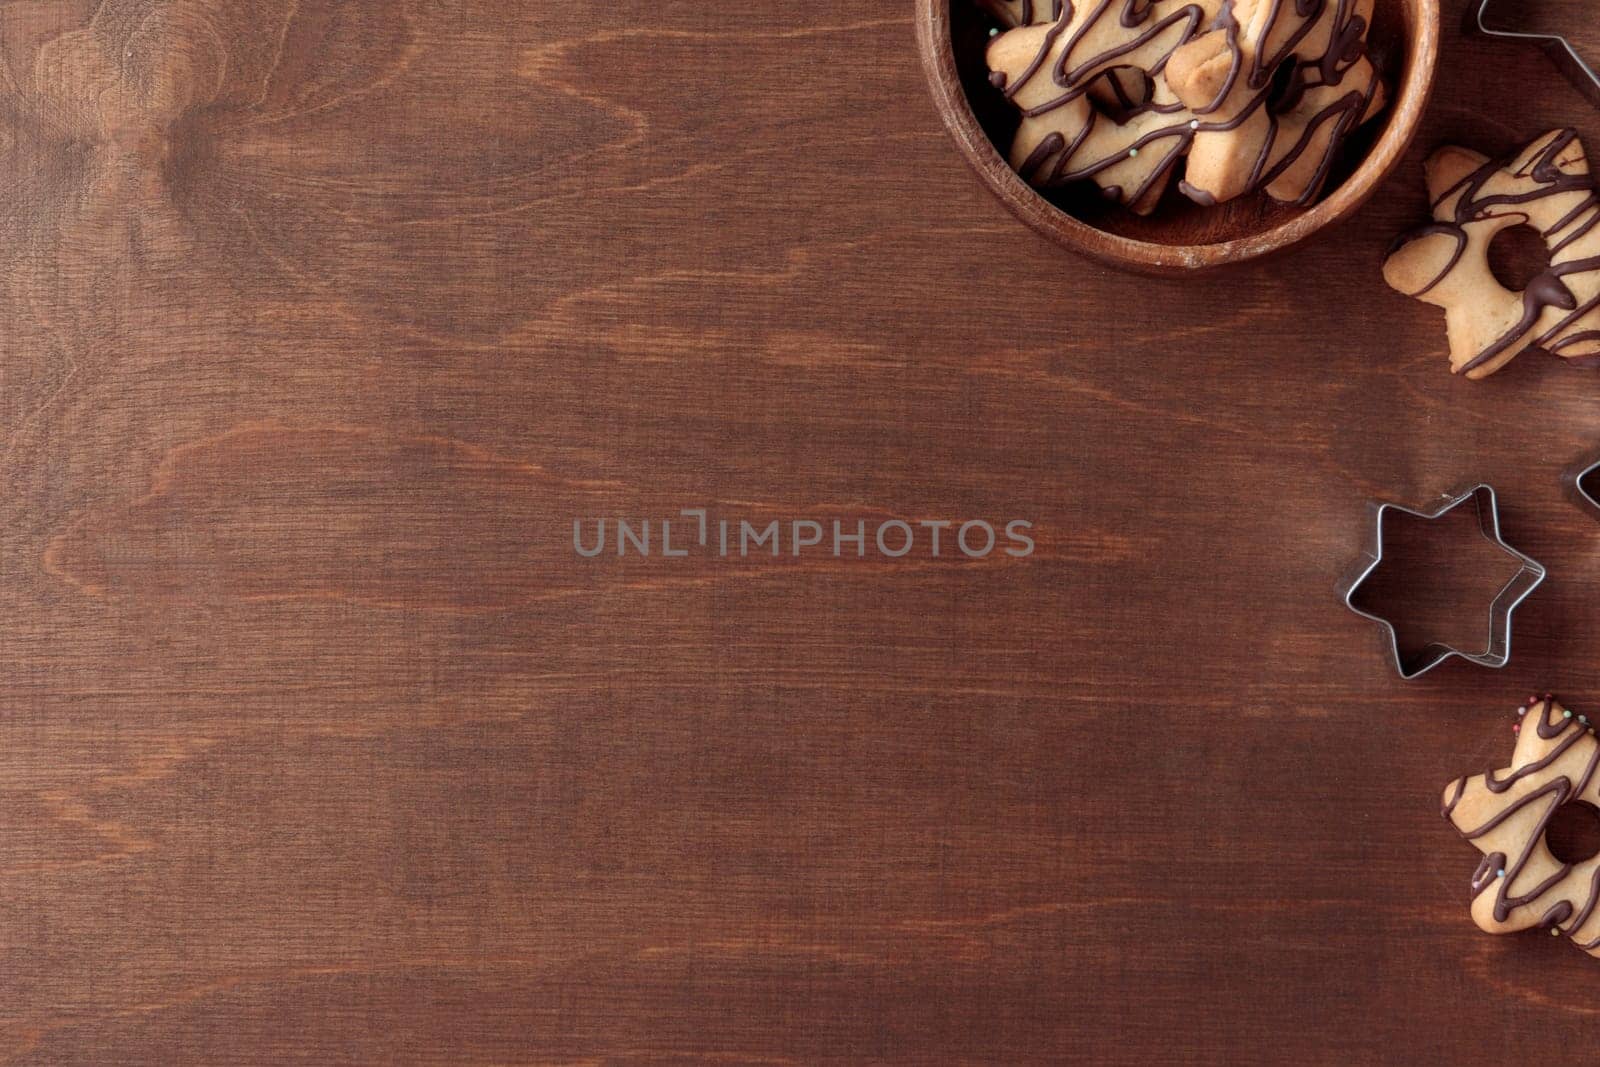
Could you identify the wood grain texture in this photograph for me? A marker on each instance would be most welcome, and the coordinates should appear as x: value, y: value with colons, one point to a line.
x: 322, y: 321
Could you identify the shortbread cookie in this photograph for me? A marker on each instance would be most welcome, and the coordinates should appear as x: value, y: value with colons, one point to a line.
x: 1120, y: 92
x: 1047, y: 69
x: 1505, y: 813
x: 1276, y: 88
x: 1546, y: 186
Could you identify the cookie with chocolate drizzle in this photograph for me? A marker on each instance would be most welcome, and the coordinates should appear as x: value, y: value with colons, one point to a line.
x: 1545, y: 186
x: 1047, y: 70
x: 1275, y: 89
x: 1259, y: 94
x: 1505, y: 813
x: 1119, y: 91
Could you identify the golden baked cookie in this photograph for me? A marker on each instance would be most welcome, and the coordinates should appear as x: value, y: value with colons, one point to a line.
x: 1048, y: 69
x: 1275, y: 90
x: 1120, y: 91
x: 1505, y: 813
x: 1546, y: 186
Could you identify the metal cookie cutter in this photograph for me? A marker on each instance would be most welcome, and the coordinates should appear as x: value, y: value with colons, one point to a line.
x: 1497, y: 651
x: 1583, y: 483
x: 1557, y: 47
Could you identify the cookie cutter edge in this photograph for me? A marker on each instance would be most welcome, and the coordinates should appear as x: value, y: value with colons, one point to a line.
x: 1574, y: 477
x: 1497, y: 651
x: 1558, y: 47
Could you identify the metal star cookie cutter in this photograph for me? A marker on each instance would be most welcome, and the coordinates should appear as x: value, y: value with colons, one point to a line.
x: 1558, y: 48
x: 1583, y: 483
x: 1497, y: 650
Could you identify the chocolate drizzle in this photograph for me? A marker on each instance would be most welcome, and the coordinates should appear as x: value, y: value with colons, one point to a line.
x: 1074, y: 80
x: 1199, y: 196
x: 1481, y: 197
x: 1060, y: 157
x: 1275, y: 79
x: 1532, y: 785
x: 1262, y: 72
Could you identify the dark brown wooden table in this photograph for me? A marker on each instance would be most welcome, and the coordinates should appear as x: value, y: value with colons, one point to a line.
x: 319, y: 744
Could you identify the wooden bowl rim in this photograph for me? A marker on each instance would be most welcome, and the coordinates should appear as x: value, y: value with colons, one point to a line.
x: 937, y: 49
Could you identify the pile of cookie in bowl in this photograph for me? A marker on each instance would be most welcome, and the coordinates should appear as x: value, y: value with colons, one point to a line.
x: 1174, y: 136
x: 1254, y: 95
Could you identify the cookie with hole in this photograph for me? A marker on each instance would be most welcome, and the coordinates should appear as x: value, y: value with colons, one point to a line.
x: 1508, y: 814
x: 1546, y: 186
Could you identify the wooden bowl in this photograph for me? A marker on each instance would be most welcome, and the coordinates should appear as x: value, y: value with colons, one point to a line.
x: 1181, y: 236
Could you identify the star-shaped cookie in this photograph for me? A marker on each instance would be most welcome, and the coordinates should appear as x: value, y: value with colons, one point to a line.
x: 1546, y: 186
x: 1505, y: 813
x: 1253, y: 131
x: 1047, y: 70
